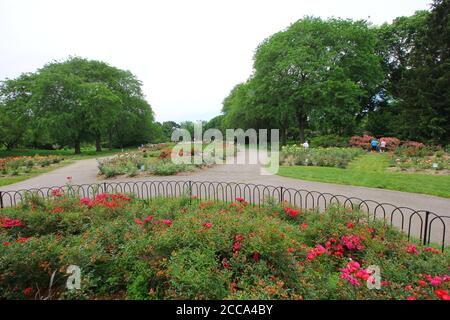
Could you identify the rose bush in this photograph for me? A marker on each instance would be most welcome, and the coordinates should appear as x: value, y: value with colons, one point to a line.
x: 191, y: 249
x: 320, y: 157
x: 153, y: 161
x: 18, y: 165
x: 418, y: 158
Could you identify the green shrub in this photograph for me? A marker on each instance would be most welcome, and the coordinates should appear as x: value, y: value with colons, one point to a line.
x: 329, y: 141
x: 44, y: 163
x: 167, y: 168
x: 320, y: 157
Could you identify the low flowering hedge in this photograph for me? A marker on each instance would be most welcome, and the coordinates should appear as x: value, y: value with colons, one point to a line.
x: 362, y: 142
x: 156, y: 160
x: 318, y: 157
x: 17, y: 165
x: 190, y: 249
x: 413, y: 157
x: 392, y: 144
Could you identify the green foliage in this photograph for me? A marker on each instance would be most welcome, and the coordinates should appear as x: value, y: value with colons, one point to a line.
x: 316, y: 73
x: 329, y: 141
x: 371, y: 170
x: 318, y: 157
x: 75, y: 101
x: 14, y: 115
x: 188, y: 249
x: 346, y: 78
x: 421, y: 159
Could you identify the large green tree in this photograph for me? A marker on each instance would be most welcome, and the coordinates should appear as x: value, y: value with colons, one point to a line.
x: 14, y: 110
x: 396, y: 45
x: 78, y: 101
x: 316, y: 73
x: 425, y: 87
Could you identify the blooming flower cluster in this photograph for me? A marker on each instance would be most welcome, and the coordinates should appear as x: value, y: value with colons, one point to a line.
x: 106, y: 200
x: 315, y: 252
x: 237, y: 245
x: 335, y: 248
x: 19, y: 240
x: 437, y: 280
x: 443, y: 294
x: 353, y: 273
x: 151, y: 218
x: 292, y: 212
x: 411, y: 249
x: 352, y: 242
x: 57, y: 193
x: 8, y: 223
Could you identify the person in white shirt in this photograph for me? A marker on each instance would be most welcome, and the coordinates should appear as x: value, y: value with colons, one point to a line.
x: 382, y: 146
x: 306, y: 145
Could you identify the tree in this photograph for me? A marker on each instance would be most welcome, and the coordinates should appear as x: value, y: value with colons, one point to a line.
x: 14, y: 111
x: 425, y: 88
x: 395, y: 46
x: 76, y: 101
x: 318, y: 73
x: 168, y: 127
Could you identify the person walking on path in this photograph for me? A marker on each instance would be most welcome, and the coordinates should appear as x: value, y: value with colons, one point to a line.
x: 374, y: 144
x: 382, y: 146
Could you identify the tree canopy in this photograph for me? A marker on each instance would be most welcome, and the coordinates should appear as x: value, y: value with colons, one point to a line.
x: 75, y: 101
x: 347, y: 77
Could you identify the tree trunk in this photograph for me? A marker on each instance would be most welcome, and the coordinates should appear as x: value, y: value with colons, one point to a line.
x: 283, y: 136
x: 110, y: 140
x: 301, y: 126
x: 77, y: 147
x: 98, y: 143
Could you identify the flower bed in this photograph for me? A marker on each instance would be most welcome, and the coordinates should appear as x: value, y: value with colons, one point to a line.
x: 13, y: 166
x: 392, y: 144
x: 413, y: 157
x: 320, y: 157
x: 188, y: 249
x: 154, y: 160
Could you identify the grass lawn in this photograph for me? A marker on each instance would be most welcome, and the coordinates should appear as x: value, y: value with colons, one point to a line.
x: 87, y: 153
x: 4, y: 181
x: 371, y: 171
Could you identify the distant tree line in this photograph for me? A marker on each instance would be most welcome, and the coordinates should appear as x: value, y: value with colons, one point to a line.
x: 73, y: 102
x: 344, y: 77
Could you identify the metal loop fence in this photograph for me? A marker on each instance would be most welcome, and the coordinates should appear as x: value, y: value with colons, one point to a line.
x: 426, y: 226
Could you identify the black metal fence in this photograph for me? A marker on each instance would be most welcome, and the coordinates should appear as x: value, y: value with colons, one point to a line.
x: 420, y: 224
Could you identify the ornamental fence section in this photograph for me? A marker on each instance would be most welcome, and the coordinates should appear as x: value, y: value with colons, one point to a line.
x: 424, y: 225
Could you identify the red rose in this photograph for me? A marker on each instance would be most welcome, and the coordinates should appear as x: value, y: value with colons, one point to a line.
x: 27, y: 291
x: 208, y: 225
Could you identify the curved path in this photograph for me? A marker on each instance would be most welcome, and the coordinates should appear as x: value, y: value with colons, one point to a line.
x: 85, y: 172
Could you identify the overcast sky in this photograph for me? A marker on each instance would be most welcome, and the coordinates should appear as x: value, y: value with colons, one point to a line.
x: 188, y: 53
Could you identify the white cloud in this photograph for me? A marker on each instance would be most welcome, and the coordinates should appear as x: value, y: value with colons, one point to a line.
x: 189, y: 54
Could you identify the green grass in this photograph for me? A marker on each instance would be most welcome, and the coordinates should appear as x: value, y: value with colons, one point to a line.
x: 4, y: 181
x: 87, y: 153
x: 371, y: 171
